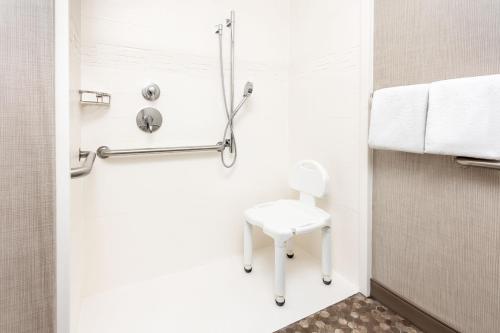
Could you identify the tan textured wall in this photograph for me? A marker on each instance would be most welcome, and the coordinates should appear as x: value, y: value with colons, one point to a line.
x: 27, y: 256
x: 436, y: 226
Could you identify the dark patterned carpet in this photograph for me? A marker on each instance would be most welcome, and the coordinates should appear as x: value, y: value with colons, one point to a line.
x: 356, y: 314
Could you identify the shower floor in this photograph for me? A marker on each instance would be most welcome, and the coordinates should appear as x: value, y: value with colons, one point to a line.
x: 215, y: 298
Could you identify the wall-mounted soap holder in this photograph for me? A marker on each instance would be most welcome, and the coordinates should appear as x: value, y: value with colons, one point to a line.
x: 94, y: 97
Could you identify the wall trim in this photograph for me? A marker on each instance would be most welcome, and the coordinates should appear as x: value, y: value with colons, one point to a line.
x: 62, y: 229
x: 366, y: 160
x: 416, y: 315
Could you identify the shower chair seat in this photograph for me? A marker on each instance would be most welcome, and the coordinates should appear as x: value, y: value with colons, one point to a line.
x: 283, y: 219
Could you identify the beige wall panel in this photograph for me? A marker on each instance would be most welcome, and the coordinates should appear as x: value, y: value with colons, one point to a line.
x: 436, y: 226
x: 27, y: 250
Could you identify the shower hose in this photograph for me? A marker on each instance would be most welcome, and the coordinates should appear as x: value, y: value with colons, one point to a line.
x: 228, y: 138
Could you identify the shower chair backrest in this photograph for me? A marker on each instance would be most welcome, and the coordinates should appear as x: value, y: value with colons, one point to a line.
x: 310, y: 179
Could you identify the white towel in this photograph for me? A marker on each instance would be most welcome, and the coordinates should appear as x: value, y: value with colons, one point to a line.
x: 464, y: 117
x: 398, y: 118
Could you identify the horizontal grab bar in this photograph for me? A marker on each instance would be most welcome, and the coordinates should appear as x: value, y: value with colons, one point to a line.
x: 105, y: 152
x: 86, y: 167
x: 478, y: 162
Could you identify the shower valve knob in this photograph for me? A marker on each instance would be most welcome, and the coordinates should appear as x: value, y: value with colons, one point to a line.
x: 149, y: 120
x: 151, y: 92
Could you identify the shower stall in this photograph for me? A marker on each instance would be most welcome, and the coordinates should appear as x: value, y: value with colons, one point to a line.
x: 152, y: 238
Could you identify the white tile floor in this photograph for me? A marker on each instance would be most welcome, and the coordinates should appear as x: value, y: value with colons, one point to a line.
x: 215, y: 298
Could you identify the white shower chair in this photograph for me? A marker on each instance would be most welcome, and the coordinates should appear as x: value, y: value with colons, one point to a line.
x: 284, y: 219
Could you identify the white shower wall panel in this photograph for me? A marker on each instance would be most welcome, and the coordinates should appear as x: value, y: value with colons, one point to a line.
x: 150, y: 216
x: 146, y: 217
x: 326, y: 117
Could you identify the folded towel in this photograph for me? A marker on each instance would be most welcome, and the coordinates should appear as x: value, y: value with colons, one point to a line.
x: 398, y: 118
x: 464, y: 117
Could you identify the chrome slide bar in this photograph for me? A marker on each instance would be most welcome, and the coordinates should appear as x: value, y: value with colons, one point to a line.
x: 105, y: 152
x: 86, y: 167
x: 478, y: 162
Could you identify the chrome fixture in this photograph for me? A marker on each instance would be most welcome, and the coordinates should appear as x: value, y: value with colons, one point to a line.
x: 218, y: 28
x: 149, y: 120
x: 230, y: 108
x: 248, y: 89
x: 151, y: 92
x: 86, y: 167
x: 94, y: 97
x: 247, y: 92
x: 477, y: 162
x: 105, y: 152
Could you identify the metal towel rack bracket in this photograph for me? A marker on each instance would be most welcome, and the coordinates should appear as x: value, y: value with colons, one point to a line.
x: 88, y: 162
x: 105, y: 152
x: 477, y: 162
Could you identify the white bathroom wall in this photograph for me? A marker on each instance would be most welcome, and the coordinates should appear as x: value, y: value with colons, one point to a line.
x: 149, y: 216
x: 326, y: 119
x: 76, y: 185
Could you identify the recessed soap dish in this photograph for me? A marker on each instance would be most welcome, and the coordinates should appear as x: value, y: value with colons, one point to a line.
x: 94, y: 97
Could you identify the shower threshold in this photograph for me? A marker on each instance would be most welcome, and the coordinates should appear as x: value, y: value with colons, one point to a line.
x: 218, y: 297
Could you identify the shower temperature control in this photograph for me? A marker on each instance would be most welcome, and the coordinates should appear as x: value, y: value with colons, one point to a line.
x: 149, y: 120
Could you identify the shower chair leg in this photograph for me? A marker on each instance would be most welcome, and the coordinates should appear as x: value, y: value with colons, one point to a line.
x: 326, y: 254
x: 279, y: 271
x: 247, y: 246
x: 289, y: 248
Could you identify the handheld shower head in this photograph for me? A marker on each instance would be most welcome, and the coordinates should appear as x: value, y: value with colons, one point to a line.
x: 247, y: 92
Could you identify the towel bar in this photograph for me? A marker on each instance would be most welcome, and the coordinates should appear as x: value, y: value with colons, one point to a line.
x: 478, y: 162
x: 86, y: 167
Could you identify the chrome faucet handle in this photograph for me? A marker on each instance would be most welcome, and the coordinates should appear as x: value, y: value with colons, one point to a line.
x: 149, y: 120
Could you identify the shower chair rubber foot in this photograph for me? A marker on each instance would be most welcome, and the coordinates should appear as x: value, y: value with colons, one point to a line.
x: 327, y: 282
x: 290, y: 256
x: 280, y: 301
x: 247, y: 269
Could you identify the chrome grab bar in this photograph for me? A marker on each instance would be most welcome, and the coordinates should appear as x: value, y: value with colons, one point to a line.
x: 477, y: 162
x: 105, y: 152
x: 86, y: 167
